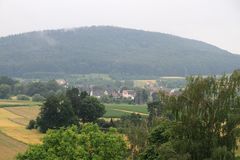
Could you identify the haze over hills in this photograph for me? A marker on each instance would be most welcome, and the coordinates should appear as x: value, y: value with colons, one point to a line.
x: 116, y: 51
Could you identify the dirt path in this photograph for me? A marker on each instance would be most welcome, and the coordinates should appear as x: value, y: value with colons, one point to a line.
x: 143, y: 114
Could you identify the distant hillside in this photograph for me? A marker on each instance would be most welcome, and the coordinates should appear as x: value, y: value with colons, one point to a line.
x: 116, y: 51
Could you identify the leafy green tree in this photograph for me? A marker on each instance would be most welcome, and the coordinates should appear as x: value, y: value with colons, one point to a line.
x: 22, y: 97
x: 87, y: 108
x: 38, y: 98
x: 141, y: 96
x: 135, y: 127
x: 206, y: 120
x: 5, y: 90
x: 43, y: 88
x: 7, y: 80
x: 90, y: 143
x: 55, y: 113
x: 74, y: 96
x: 155, y: 109
x: 91, y: 109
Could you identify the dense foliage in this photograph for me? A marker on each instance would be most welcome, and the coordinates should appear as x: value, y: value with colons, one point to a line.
x: 135, y: 127
x: 122, y: 53
x: 10, y: 87
x: 56, y: 112
x: 205, y: 122
x: 23, y: 97
x: 141, y: 96
x: 65, y: 110
x: 7, y: 86
x: 87, y: 108
x: 71, y: 144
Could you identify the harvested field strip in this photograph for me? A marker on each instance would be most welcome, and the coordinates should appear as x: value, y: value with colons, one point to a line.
x: 20, y: 121
x: 17, y: 131
x: 7, y: 101
x: 26, y: 112
x: 9, y: 147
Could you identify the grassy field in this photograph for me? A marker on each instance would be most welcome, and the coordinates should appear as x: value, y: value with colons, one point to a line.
x: 118, y: 110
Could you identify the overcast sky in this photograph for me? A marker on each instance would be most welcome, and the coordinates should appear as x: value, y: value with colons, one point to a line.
x: 213, y: 21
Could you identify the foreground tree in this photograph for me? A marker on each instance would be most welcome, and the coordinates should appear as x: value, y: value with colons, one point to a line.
x: 205, y: 121
x: 71, y: 144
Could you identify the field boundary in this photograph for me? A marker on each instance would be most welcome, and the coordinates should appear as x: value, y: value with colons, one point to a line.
x: 121, y: 110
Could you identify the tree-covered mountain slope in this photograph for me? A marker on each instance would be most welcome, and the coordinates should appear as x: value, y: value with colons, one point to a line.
x: 111, y: 50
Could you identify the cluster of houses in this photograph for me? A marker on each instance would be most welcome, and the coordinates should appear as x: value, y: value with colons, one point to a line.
x: 130, y: 94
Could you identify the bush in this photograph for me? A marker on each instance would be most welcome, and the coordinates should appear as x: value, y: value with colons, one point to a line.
x: 105, y: 124
x: 37, y: 98
x: 23, y: 97
x: 31, y: 124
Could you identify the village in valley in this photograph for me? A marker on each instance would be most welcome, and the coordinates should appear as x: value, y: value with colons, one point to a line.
x: 132, y: 93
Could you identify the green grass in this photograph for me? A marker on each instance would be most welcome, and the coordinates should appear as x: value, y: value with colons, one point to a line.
x: 18, y: 103
x: 12, y: 105
x: 111, y: 112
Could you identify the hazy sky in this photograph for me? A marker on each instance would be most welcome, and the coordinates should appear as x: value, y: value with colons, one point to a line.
x: 213, y: 21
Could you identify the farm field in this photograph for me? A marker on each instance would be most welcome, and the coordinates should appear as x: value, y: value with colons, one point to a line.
x: 142, y: 83
x: 14, y: 137
x: 118, y: 110
x: 9, y: 147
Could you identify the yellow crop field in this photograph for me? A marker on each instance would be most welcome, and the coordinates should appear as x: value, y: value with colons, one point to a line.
x: 26, y: 112
x: 15, y: 130
x: 142, y: 83
x: 14, y: 137
x: 17, y: 102
x: 9, y: 147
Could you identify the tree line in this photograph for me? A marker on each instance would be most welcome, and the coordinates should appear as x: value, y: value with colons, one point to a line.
x: 10, y: 87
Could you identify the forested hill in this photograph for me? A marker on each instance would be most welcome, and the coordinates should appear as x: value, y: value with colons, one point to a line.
x: 112, y: 50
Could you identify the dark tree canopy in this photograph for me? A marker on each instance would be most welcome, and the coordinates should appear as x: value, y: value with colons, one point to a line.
x: 65, y: 110
x: 141, y: 96
x: 87, y: 108
x: 56, y: 112
x: 91, y: 109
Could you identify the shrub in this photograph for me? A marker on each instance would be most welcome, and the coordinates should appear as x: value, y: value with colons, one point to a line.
x: 23, y: 97
x: 37, y: 98
x: 31, y: 124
